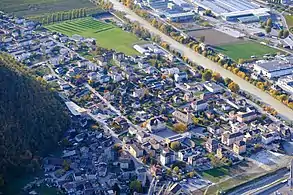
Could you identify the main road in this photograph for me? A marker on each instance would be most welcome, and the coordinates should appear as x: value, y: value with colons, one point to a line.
x: 283, y: 110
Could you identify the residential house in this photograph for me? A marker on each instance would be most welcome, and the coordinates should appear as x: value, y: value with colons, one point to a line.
x: 199, y: 105
x: 135, y: 150
x: 180, y: 77
x: 167, y: 157
x: 229, y: 138
x: 268, y: 138
x: 247, y: 116
x: 184, y: 117
x: 211, y: 145
x: 213, y: 87
x: 156, y: 124
x: 142, y: 137
x: 239, y: 147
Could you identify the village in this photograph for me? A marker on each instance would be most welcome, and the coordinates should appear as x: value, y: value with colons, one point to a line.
x: 141, y: 124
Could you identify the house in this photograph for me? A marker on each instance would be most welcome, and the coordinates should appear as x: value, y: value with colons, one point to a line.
x: 172, y: 71
x: 229, y: 138
x: 139, y: 92
x: 156, y: 124
x: 213, y: 87
x: 167, y: 157
x: 180, y: 77
x: 135, y: 150
x: 239, y: 147
x: 268, y: 138
x: 142, y: 137
x: 193, y: 159
x: 124, y: 163
x: 199, y: 105
x: 141, y: 175
x: 246, y: 117
x: 184, y: 117
x: 211, y: 145
x: 184, y: 154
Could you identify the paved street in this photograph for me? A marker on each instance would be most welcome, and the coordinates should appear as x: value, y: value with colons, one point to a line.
x: 201, y: 60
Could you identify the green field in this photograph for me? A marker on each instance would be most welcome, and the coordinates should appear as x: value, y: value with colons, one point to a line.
x: 289, y: 21
x: 106, y: 35
x: 244, y: 50
x: 37, y: 7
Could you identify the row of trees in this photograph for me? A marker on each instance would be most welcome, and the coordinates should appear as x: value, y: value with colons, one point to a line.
x: 106, y: 5
x: 64, y: 15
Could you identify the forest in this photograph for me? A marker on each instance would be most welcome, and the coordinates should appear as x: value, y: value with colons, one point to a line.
x: 32, y: 120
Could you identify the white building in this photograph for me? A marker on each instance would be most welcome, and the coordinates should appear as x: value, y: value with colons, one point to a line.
x: 272, y: 69
x: 286, y: 83
x: 213, y: 87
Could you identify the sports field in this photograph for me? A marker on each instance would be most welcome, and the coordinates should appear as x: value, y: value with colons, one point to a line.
x: 244, y: 50
x: 25, y: 8
x: 106, y: 35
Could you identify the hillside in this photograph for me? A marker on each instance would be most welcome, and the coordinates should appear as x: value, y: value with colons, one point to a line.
x: 31, y: 120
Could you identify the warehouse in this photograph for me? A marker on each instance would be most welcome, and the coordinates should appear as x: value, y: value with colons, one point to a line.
x: 178, y: 17
x: 273, y: 69
x: 235, y: 10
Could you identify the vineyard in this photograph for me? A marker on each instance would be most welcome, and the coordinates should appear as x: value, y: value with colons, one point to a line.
x: 106, y: 34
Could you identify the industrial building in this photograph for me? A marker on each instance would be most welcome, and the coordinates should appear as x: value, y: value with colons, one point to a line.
x: 242, y: 11
x: 273, y: 69
x: 286, y: 83
x: 178, y: 17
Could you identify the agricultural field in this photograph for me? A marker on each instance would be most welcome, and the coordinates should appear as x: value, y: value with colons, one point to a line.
x: 106, y: 35
x: 245, y: 49
x: 213, y: 37
x: 24, y: 8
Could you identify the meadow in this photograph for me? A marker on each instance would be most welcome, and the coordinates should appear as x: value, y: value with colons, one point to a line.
x: 244, y: 50
x: 107, y: 35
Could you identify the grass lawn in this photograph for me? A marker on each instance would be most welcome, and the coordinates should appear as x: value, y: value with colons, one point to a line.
x: 244, y: 50
x: 289, y: 21
x: 107, y: 35
x: 214, y: 175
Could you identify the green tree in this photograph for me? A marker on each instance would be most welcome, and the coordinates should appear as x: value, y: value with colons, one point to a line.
x: 268, y: 29
x: 281, y: 33
x: 286, y: 33
x: 136, y: 186
x: 175, y: 145
x: 269, y: 22
x: 207, y: 75
x: 176, y: 169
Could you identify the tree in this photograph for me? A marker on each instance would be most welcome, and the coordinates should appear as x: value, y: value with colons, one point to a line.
x: 269, y: 22
x: 281, y: 33
x: 207, y: 75
x: 268, y: 29
x: 136, y: 186
x: 176, y: 169
x: 175, y: 145
x: 180, y: 127
x: 234, y: 87
x: 286, y: 34
x: 216, y: 76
